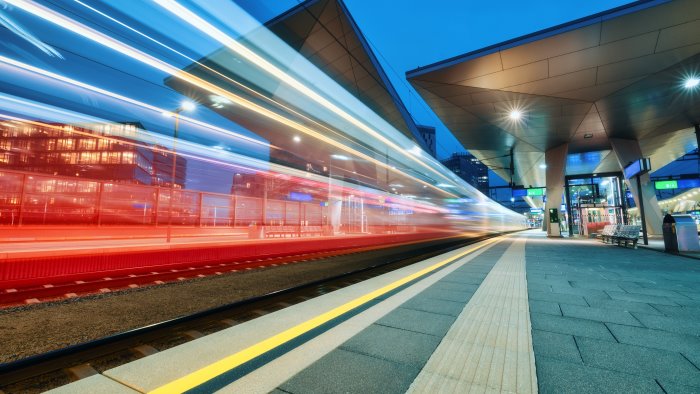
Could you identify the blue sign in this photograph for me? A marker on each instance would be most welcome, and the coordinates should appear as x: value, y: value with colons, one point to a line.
x: 688, y: 183
x: 519, y: 192
x: 296, y: 196
x: 637, y: 167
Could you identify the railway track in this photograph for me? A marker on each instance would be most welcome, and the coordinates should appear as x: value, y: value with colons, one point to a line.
x: 45, y: 371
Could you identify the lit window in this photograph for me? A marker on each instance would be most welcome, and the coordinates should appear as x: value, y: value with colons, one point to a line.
x: 128, y: 158
x: 87, y: 144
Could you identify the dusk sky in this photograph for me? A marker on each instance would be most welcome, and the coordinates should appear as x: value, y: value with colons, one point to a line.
x: 413, y: 33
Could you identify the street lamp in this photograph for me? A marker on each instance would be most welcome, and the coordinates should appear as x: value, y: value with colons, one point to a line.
x: 184, y: 106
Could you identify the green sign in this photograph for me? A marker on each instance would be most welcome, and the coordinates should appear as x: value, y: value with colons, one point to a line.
x: 536, y: 192
x: 661, y: 185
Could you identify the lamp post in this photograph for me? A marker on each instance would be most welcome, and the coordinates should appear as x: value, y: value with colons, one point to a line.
x: 184, y: 106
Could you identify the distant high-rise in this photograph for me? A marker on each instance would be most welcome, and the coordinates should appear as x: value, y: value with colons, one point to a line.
x: 428, y: 134
x: 470, y: 169
x: 98, y: 152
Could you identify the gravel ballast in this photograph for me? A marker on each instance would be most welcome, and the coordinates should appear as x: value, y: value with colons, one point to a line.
x: 39, y: 328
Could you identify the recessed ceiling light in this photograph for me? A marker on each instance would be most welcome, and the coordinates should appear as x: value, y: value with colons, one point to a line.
x: 187, y: 105
x: 297, y: 138
x: 515, y: 114
x: 588, y: 135
x: 691, y: 82
x: 543, y: 166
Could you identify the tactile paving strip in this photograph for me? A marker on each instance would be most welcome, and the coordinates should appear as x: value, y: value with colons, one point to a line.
x: 489, y: 347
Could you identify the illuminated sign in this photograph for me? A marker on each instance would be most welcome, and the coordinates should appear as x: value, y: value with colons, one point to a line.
x: 519, y: 192
x: 637, y: 167
x: 539, y: 191
x: 296, y: 196
x: 661, y: 185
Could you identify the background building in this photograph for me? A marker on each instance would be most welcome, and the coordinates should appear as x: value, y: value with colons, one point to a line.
x: 470, y: 169
x: 98, y: 152
x: 428, y: 135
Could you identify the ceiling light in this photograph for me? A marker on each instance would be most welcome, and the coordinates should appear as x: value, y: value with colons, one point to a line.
x: 543, y: 166
x: 187, y: 105
x: 691, y: 82
x: 588, y: 135
x: 515, y: 114
x: 340, y: 157
x: 297, y: 138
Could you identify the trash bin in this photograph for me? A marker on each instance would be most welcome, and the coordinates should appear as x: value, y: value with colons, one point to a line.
x: 680, y: 234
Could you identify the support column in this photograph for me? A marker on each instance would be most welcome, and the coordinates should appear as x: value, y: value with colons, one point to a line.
x: 626, y: 152
x: 555, y: 159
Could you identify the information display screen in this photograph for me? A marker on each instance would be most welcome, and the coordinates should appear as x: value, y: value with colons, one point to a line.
x: 637, y: 167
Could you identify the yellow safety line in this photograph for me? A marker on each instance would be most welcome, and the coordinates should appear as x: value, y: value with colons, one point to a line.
x: 224, y: 365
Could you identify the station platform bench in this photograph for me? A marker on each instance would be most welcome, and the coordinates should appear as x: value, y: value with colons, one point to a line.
x: 622, y: 235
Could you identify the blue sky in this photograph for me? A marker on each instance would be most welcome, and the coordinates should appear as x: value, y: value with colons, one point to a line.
x: 413, y: 33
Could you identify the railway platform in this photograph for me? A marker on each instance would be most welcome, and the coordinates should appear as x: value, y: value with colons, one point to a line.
x: 519, y: 313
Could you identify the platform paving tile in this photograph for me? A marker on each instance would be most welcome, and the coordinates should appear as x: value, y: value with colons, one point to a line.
x: 418, y: 321
x: 599, y: 314
x: 555, y: 346
x: 597, y: 285
x: 462, y: 279
x: 450, y: 285
x: 671, y: 324
x: 682, y: 312
x: 692, y: 295
x: 688, y: 302
x: 557, y: 297
x: 551, y: 308
x: 649, y: 299
x: 638, y: 360
x: 427, y: 304
x: 629, y: 306
x: 556, y: 377
x: 586, y: 293
x: 393, y: 344
x: 672, y: 294
x: 678, y: 388
x: 640, y: 336
x: 341, y: 371
x: 571, y: 326
x: 674, y: 285
x: 448, y: 295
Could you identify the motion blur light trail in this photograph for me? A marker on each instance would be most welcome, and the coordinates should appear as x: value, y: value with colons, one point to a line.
x: 273, y: 153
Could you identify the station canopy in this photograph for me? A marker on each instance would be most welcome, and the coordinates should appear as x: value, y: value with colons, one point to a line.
x: 618, y: 74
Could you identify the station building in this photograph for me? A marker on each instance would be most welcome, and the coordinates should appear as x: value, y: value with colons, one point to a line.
x: 570, y: 107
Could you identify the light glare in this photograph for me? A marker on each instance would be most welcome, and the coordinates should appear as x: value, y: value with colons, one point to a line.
x: 515, y: 114
x: 187, y: 105
x: 691, y: 82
